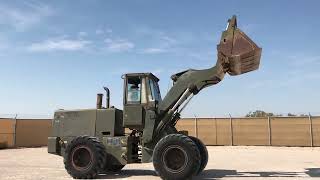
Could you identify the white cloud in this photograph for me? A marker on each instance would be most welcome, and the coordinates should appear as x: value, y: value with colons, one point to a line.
x: 153, y: 51
x: 24, y: 16
x: 103, y: 31
x: 169, y: 39
x: 82, y: 34
x: 159, y: 42
x: 58, y: 44
x: 313, y: 75
x: 119, y: 45
x: 4, y: 45
x: 99, y: 31
x: 157, y: 71
x: 108, y: 30
x: 304, y: 60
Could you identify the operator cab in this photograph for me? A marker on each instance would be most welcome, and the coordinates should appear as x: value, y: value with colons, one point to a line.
x: 141, y: 93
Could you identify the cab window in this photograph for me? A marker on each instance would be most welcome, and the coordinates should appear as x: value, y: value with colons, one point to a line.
x: 134, y: 90
x: 154, y: 91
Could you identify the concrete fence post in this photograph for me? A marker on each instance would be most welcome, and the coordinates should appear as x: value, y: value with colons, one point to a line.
x: 269, y: 131
x: 311, y: 130
x: 196, y: 126
x: 15, y: 130
x: 216, y: 130
x: 231, y: 130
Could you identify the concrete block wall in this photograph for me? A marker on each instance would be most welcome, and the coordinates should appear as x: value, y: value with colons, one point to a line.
x: 273, y: 131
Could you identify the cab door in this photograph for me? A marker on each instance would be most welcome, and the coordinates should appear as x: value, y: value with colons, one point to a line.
x: 135, y: 98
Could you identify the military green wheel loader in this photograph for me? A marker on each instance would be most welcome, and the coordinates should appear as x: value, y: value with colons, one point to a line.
x: 94, y: 141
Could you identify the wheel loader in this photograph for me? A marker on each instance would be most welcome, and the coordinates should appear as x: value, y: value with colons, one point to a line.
x: 94, y: 141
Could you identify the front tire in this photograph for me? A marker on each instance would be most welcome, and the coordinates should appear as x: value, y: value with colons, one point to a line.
x: 85, y: 157
x: 203, y: 153
x: 176, y: 157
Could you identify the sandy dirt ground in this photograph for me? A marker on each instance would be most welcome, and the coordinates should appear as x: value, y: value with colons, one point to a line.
x: 224, y: 163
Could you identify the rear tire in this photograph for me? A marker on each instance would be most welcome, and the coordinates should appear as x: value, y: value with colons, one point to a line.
x: 85, y: 157
x: 176, y: 157
x: 203, y: 153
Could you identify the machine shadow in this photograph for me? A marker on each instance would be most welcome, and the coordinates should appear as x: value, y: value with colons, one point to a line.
x: 220, y: 173
x: 125, y: 173
x: 217, y: 173
x: 313, y: 172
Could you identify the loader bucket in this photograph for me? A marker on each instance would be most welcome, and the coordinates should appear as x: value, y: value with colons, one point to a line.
x: 237, y: 52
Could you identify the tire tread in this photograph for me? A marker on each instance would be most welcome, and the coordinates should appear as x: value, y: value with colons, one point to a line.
x: 99, y: 153
x: 189, y: 143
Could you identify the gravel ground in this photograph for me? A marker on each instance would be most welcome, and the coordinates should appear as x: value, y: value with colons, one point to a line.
x: 224, y: 163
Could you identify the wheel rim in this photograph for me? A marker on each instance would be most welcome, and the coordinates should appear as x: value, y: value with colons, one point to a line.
x: 81, y: 158
x: 175, y: 159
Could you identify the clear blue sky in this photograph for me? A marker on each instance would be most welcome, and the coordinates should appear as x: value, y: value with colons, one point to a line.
x: 59, y: 54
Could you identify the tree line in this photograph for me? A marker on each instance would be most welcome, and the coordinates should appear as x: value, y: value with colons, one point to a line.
x: 260, y: 113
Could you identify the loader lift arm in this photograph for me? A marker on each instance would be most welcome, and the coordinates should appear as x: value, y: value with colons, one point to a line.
x: 237, y: 54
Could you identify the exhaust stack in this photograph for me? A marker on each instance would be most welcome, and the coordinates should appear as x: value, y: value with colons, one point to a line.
x: 107, y: 97
x: 99, y: 101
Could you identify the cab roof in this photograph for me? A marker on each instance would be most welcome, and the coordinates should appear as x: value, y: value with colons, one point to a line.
x: 149, y: 74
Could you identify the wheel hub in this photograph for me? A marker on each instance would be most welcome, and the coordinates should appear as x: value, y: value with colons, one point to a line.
x: 81, y: 158
x: 175, y: 159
